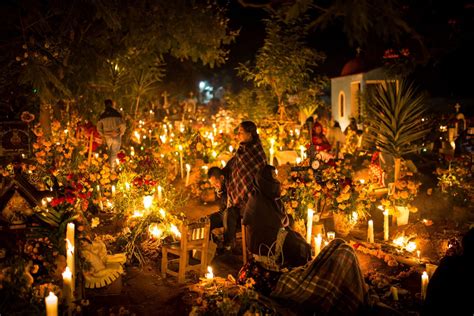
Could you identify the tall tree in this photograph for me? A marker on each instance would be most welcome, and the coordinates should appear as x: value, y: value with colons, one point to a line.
x: 285, y: 64
x: 60, y: 47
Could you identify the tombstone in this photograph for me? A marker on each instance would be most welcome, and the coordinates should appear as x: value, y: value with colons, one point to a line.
x: 15, y: 138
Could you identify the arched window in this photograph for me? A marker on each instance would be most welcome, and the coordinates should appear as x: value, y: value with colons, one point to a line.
x: 341, y: 104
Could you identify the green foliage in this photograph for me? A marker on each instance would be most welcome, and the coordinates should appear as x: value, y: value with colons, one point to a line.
x: 252, y: 104
x: 284, y: 64
x: 66, y: 48
x: 395, y: 114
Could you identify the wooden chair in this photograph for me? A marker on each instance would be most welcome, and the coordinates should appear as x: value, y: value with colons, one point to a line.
x: 194, y: 236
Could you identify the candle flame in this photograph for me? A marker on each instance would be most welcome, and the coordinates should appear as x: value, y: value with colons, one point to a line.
x: 147, y: 201
x: 209, y: 274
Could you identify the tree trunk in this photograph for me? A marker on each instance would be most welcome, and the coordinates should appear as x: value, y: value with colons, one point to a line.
x: 396, y: 174
x: 45, y: 119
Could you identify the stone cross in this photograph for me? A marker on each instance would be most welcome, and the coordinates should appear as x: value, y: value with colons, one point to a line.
x: 457, y: 107
x: 165, y: 96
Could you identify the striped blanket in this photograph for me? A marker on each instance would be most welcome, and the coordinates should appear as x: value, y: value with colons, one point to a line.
x: 331, y: 284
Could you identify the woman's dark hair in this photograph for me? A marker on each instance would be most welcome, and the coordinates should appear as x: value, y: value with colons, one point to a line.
x: 251, y: 128
x: 108, y: 103
x: 214, y: 172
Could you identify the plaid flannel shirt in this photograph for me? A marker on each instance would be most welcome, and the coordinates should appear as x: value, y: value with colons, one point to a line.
x: 244, y: 166
x: 331, y: 284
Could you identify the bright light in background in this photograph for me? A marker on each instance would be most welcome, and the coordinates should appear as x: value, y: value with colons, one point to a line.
x: 202, y: 85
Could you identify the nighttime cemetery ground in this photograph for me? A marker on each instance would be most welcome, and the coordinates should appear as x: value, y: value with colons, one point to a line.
x: 119, y: 220
x: 374, y: 164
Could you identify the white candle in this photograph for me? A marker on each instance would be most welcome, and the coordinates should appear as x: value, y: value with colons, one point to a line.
x: 331, y: 235
x: 302, y: 149
x: 70, y: 262
x: 309, y: 225
x: 188, y: 169
x: 231, y: 149
x: 160, y: 193
x: 181, y: 168
x: 113, y: 190
x: 70, y: 233
x: 385, y: 225
x: 370, y: 232
x: 51, y: 302
x: 209, y: 274
x: 147, y: 201
x: 67, y: 285
x: 317, y: 244
x: 272, y: 152
x: 424, y: 284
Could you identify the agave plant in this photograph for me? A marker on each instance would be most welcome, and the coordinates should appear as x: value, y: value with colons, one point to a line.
x: 395, y: 113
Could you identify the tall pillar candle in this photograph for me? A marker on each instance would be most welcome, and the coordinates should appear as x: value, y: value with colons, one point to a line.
x: 309, y: 226
x: 370, y: 231
x: 160, y: 193
x: 272, y: 152
x: 188, y: 170
x: 70, y: 230
x: 424, y: 284
x: 385, y: 225
x: 51, y: 302
x: 181, y: 168
x: 70, y: 262
x: 67, y: 286
x: 317, y: 244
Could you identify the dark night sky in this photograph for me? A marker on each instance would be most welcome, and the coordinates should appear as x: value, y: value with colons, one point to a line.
x: 440, y: 77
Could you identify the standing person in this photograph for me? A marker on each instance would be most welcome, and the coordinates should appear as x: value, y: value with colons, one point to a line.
x: 336, y: 137
x: 244, y: 165
x: 111, y: 127
x: 224, y: 217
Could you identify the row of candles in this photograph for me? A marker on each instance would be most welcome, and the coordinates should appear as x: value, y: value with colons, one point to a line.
x: 51, y: 301
x: 370, y: 238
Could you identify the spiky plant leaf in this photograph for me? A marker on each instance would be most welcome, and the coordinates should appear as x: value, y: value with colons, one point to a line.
x: 396, y: 118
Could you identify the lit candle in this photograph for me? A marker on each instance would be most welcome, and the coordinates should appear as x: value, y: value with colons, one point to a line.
x: 331, y: 235
x: 209, y: 274
x: 147, y: 201
x: 67, y: 285
x: 231, y: 149
x: 385, y: 225
x: 302, y: 149
x: 317, y: 244
x: 51, y: 302
x: 113, y: 190
x: 70, y: 263
x: 272, y: 152
x: 298, y: 160
x: 100, y: 198
x: 309, y: 225
x: 370, y: 232
x: 188, y: 170
x: 424, y: 284
x: 181, y: 168
x: 160, y: 193
x: 418, y: 255
x: 127, y: 186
